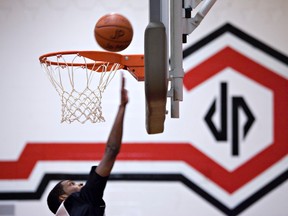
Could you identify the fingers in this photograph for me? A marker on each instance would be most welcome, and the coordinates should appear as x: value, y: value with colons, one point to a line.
x: 123, y: 81
x: 124, y: 93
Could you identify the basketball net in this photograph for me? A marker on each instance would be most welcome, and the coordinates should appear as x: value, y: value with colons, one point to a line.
x: 80, y: 83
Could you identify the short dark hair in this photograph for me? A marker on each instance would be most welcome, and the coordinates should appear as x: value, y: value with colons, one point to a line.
x: 53, y: 200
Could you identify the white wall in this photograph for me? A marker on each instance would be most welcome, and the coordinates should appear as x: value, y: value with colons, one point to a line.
x: 30, y: 107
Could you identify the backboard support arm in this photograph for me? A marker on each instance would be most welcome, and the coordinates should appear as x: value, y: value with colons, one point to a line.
x: 176, y: 72
x: 191, y: 23
x: 170, y: 22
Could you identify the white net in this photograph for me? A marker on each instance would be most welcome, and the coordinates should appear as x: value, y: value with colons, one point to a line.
x: 80, y: 83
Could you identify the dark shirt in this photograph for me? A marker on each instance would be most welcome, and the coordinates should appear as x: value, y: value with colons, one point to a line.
x: 89, y: 201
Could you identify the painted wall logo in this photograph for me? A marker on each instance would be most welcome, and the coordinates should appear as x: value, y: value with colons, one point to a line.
x: 237, y: 104
x: 238, y: 90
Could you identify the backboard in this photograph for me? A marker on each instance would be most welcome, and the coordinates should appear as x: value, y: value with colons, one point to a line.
x: 170, y: 22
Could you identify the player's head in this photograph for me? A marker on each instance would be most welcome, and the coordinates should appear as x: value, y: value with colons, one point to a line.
x: 60, y: 192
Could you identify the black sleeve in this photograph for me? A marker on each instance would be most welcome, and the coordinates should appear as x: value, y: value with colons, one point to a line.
x: 93, y: 190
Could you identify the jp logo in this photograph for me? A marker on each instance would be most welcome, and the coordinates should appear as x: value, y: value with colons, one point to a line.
x: 117, y: 34
x: 221, y: 134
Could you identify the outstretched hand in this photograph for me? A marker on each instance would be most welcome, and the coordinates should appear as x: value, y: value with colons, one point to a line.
x: 115, y: 138
x: 124, y: 92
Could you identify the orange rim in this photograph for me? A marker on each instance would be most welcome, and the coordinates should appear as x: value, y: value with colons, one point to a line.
x: 133, y: 63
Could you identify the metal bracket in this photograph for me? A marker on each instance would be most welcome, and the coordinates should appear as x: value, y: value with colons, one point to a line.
x: 191, y: 23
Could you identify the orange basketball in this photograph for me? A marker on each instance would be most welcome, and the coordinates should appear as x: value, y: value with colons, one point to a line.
x: 113, y: 32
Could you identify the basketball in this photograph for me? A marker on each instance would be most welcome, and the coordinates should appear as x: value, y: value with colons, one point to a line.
x: 113, y: 32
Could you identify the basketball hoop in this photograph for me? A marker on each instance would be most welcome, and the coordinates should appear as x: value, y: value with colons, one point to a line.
x: 80, y: 78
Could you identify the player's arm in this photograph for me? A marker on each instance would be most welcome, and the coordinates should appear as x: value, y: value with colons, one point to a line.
x: 115, y: 138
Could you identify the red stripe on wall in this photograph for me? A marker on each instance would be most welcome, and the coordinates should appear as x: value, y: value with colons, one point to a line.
x: 229, y: 181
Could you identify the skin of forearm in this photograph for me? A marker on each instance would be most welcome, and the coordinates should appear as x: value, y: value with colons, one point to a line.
x: 115, y: 138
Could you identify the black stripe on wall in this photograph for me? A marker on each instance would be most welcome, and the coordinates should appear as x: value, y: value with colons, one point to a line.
x: 152, y: 178
x: 240, y: 34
